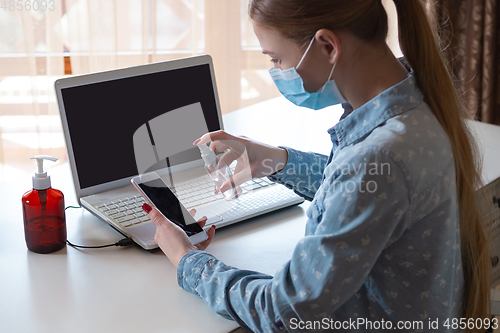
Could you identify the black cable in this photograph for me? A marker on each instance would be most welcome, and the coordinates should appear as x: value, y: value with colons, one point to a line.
x: 123, y: 242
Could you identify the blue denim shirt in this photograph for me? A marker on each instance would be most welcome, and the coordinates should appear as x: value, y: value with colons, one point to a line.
x: 382, y: 236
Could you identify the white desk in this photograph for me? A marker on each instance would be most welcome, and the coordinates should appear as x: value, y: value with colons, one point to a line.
x: 132, y: 290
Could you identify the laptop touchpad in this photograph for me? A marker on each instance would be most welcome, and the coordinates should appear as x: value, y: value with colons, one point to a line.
x: 211, y: 216
x: 145, y: 232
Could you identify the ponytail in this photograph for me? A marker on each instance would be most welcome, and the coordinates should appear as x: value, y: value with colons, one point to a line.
x: 419, y: 44
x: 298, y: 20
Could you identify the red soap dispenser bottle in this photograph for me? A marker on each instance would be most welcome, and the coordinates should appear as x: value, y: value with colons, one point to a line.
x: 43, y: 212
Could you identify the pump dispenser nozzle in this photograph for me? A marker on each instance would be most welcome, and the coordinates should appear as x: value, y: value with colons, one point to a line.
x: 40, y: 180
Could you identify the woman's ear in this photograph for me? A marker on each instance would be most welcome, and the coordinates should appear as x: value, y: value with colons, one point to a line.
x: 330, y: 44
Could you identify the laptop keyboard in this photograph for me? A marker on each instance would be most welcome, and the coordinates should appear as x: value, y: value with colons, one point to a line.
x: 200, y: 191
x: 128, y: 210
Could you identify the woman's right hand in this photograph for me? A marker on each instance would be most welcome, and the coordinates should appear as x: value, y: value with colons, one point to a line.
x: 253, y: 159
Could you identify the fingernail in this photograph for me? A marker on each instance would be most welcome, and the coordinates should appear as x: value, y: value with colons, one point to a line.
x: 196, y: 141
x: 147, y: 208
x: 213, y: 226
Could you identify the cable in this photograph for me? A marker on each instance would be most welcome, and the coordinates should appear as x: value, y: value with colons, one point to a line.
x: 123, y: 242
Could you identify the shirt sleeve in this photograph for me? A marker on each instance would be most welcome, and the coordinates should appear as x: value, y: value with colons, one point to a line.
x: 303, y: 172
x: 327, y: 267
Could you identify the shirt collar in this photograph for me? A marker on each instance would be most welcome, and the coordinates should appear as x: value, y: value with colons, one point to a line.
x: 394, y: 101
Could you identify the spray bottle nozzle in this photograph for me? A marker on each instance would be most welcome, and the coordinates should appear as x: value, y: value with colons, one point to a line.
x: 204, y: 148
x: 41, y: 181
x: 207, y: 154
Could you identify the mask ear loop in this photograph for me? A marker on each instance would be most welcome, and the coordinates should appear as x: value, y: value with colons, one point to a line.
x: 329, y: 77
x: 307, y: 50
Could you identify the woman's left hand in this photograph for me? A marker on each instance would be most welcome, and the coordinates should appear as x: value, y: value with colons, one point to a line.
x: 171, y: 239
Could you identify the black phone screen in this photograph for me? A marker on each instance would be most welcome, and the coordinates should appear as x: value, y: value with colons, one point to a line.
x: 168, y: 204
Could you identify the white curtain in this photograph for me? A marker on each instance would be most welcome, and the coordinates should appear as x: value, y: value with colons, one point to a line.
x: 41, y: 41
x: 31, y: 58
x: 39, y: 45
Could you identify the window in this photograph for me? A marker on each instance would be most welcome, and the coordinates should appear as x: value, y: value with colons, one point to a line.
x: 69, y: 37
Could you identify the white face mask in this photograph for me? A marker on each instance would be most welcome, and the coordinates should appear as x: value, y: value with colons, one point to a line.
x: 291, y: 85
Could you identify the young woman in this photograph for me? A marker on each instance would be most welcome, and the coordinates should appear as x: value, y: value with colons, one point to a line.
x: 393, y: 231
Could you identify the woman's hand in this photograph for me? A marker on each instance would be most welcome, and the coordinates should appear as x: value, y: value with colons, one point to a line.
x: 171, y: 239
x: 253, y: 158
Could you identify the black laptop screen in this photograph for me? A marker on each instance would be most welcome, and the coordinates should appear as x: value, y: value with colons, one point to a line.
x: 102, y: 118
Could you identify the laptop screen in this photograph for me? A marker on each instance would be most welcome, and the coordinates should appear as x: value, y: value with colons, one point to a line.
x: 102, y: 118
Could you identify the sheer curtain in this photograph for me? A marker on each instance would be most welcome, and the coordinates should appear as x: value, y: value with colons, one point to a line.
x: 102, y: 35
x: 31, y: 58
x: 41, y: 41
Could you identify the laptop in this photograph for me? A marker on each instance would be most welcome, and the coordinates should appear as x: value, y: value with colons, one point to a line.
x: 106, y: 115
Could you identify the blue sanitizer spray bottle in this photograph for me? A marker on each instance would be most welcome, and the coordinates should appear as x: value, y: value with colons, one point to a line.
x: 219, y: 172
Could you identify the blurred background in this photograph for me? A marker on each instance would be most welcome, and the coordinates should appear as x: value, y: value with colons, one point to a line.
x: 42, y: 41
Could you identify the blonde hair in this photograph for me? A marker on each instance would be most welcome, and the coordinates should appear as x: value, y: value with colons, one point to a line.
x: 418, y: 42
x: 298, y: 20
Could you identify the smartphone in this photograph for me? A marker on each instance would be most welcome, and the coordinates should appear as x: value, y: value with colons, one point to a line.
x: 158, y: 195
